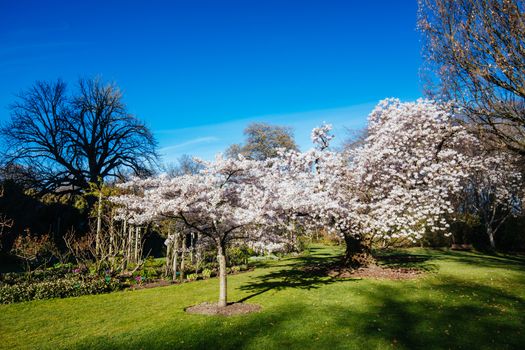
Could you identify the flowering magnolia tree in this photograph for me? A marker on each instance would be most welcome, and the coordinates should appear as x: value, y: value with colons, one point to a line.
x: 397, y: 185
x: 408, y: 168
x: 223, y: 202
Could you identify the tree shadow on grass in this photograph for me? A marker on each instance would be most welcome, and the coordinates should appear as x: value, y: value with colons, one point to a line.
x: 439, y: 316
x: 495, y: 260
x: 305, y: 272
x: 453, y: 315
x: 403, y: 260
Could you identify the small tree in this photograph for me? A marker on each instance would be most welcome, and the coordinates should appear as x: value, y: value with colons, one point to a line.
x: 219, y: 203
x: 263, y: 141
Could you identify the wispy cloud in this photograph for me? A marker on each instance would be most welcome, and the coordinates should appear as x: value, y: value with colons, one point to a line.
x: 185, y: 144
x: 226, y: 133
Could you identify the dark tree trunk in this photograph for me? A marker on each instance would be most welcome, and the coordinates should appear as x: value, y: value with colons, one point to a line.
x: 358, y: 251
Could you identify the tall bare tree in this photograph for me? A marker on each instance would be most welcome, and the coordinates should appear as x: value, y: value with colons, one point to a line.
x: 71, y: 140
x: 476, y: 48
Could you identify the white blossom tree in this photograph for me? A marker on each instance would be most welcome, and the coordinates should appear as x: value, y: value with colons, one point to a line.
x: 219, y: 203
x: 397, y: 184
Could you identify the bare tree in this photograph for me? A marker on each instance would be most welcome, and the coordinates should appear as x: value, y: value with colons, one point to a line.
x: 476, y: 50
x: 263, y: 140
x: 186, y: 165
x: 71, y: 140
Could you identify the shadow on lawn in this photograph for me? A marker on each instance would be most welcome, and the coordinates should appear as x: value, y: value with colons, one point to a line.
x: 472, y: 316
x: 494, y: 260
x: 305, y: 272
x: 311, y: 271
x: 436, y: 314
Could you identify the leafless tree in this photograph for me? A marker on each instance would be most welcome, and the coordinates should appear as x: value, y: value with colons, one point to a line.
x: 185, y: 165
x: 476, y: 50
x: 69, y: 141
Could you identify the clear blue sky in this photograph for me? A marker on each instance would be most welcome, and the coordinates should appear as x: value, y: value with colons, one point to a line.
x: 198, y: 71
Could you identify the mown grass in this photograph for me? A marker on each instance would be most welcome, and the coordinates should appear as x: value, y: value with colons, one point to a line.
x: 464, y: 301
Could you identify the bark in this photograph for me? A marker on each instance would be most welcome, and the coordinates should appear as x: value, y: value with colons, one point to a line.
x: 175, y: 255
x: 182, y: 258
x: 358, y: 251
x: 137, y: 238
x: 130, y: 240
x: 490, y: 233
x: 99, y: 222
x: 111, y: 235
x: 221, y: 258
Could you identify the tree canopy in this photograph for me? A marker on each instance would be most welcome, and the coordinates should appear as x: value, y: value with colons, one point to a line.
x: 71, y: 139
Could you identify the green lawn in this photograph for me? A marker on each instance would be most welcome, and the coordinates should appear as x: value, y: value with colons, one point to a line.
x: 465, y: 301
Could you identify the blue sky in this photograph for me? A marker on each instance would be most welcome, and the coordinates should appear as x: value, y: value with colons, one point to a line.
x: 197, y: 72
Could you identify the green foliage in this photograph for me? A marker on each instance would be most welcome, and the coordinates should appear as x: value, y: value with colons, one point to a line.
x: 206, y: 273
x: 69, y: 286
x: 239, y: 255
x: 191, y: 277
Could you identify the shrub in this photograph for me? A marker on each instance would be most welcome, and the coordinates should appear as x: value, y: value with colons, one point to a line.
x: 206, y: 273
x: 239, y: 255
x: 191, y: 277
x: 58, y: 288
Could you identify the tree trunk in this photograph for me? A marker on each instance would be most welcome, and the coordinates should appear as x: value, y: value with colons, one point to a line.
x: 111, y: 235
x: 168, y: 258
x: 175, y: 255
x: 182, y: 257
x: 221, y: 258
x: 99, y: 222
x: 490, y: 233
x: 130, y: 242
x: 124, y: 247
x: 136, y: 252
x: 358, y: 251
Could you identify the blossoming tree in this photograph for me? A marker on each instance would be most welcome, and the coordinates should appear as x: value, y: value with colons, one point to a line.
x: 397, y: 184
x: 219, y: 203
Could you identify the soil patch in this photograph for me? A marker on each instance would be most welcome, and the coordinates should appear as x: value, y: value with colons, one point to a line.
x: 152, y: 284
x: 375, y: 271
x: 229, y: 310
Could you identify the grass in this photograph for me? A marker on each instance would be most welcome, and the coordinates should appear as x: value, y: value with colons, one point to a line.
x: 465, y: 301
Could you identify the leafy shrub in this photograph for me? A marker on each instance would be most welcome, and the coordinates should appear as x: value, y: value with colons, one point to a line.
x: 191, y: 277
x: 239, y: 255
x: 57, y: 288
x: 206, y: 273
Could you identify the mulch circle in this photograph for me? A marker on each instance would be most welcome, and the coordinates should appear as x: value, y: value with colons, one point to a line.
x: 228, y: 310
x: 377, y: 272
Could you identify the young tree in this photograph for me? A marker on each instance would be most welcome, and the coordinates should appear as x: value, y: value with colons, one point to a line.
x: 475, y: 48
x: 71, y: 140
x: 219, y: 203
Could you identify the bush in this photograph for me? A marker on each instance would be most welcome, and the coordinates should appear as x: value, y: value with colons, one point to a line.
x: 239, y: 255
x: 206, y: 273
x: 59, y: 288
x: 191, y: 277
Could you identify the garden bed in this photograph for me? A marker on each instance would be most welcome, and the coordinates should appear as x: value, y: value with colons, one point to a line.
x: 228, y: 310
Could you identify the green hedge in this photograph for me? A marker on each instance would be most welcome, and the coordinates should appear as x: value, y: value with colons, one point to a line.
x: 57, y: 288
